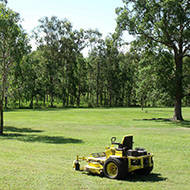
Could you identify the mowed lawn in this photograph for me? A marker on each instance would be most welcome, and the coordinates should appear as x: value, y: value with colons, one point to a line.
x: 38, y: 148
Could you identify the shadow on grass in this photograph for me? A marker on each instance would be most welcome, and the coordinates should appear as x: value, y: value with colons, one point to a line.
x: 40, y: 138
x: 153, y: 177
x: 185, y: 123
x: 39, y: 109
x: 20, y: 134
x: 21, y: 130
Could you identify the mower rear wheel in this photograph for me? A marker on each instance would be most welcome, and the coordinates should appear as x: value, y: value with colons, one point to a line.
x: 114, y: 168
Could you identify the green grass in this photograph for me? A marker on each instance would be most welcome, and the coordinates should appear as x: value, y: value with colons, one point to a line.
x: 38, y: 147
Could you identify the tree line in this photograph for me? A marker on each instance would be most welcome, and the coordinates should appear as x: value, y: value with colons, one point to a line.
x: 57, y: 73
x: 155, y: 71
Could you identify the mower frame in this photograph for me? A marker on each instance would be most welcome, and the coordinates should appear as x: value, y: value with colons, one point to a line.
x: 117, y: 162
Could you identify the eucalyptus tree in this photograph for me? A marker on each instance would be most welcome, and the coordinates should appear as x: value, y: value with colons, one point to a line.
x: 49, y: 35
x: 127, y: 78
x: 108, y: 70
x: 12, y: 47
x: 71, y: 65
x: 154, y: 73
x: 165, y: 23
x: 96, y: 65
x: 81, y: 78
x: 80, y: 41
x: 29, y: 81
x: 62, y: 48
x: 112, y: 70
x: 155, y: 78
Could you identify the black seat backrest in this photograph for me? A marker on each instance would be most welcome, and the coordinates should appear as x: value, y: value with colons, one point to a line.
x: 127, y: 142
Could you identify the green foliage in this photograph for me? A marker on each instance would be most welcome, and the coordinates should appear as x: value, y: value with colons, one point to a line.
x: 161, y: 23
x: 61, y: 46
x: 57, y: 73
x: 156, y: 77
x: 13, y: 45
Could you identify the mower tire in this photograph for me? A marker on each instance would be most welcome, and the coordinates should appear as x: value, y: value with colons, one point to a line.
x: 115, y: 168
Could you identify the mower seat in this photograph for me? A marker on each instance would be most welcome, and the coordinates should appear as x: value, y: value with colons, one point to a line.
x: 127, y: 143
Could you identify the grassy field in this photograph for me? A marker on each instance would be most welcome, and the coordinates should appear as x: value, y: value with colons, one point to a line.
x: 38, y: 147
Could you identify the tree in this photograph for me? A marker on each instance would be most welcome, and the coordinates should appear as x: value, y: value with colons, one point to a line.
x: 162, y: 22
x: 96, y: 66
x: 50, y: 34
x: 113, y: 70
x: 61, y: 47
x: 12, y: 44
x: 4, y: 1
x: 155, y: 78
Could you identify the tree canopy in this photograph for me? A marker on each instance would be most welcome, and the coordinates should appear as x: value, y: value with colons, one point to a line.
x: 12, y: 47
x: 161, y: 23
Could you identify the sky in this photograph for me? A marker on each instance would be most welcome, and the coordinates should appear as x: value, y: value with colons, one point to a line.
x: 86, y: 14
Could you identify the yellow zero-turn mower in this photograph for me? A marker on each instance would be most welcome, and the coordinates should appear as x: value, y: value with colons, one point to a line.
x: 118, y: 160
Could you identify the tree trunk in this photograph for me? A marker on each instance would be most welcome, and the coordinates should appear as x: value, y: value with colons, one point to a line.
x: 67, y: 100
x: 123, y: 96
x: 142, y: 104
x: 97, y: 84
x: 105, y: 99
x: 97, y: 98
x: 63, y: 101
x: 6, y: 102
x: 78, y: 101
x: 36, y: 100
x: 44, y: 100
x: 177, y: 110
x: 1, y: 115
x: 31, y: 103
x: 178, y: 89
x: 110, y: 99
x: 101, y: 98
x: 78, y: 98
x: 19, y: 103
x: 52, y: 100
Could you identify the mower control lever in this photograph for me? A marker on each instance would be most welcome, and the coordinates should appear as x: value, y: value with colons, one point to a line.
x: 113, y: 139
